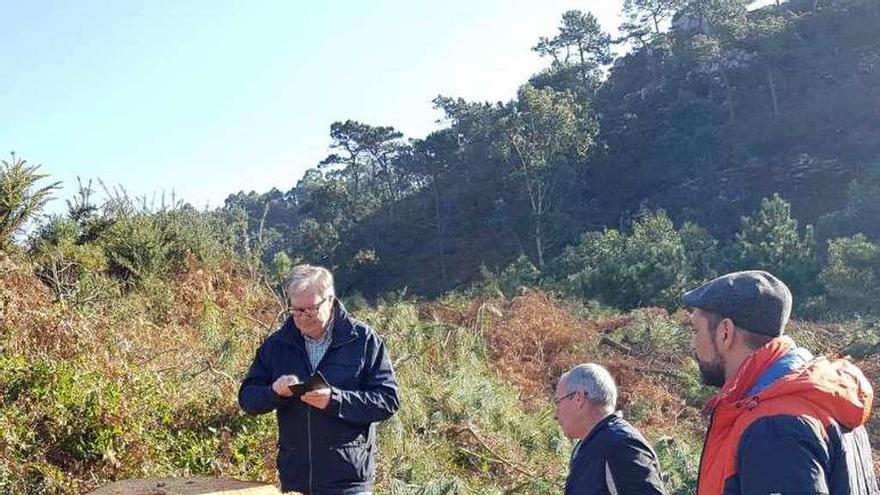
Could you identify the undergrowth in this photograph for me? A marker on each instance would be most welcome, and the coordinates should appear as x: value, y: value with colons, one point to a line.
x: 144, y: 383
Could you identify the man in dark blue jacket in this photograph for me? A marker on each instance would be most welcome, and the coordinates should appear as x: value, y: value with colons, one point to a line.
x: 327, y: 436
x: 612, y: 457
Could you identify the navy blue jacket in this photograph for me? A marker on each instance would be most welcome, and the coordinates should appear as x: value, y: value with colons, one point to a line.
x: 330, y: 451
x: 614, y: 459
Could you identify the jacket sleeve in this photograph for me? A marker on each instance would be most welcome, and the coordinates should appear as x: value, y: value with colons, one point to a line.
x: 377, y: 398
x: 255, y: 396
x: 782, y: 454
x: 632, y: 467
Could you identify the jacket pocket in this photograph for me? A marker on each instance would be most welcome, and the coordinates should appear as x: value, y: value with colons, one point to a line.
x: 293, y: 467
x: 351, y: 462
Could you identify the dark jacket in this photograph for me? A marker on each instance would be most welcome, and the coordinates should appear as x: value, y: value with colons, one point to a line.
x: 329, y: 451
x: 614, y: 459
x: 789, y: 423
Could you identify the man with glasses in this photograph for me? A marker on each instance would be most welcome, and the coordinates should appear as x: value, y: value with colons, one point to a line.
x: 327, y: 435
x: 611, y: 455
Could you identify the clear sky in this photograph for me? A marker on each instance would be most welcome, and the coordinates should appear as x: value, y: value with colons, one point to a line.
x: 207, y: 98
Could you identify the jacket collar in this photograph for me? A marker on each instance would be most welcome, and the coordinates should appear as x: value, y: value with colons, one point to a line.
x: 750, y: 370
x: 780, y: 369
x: 601, y: 425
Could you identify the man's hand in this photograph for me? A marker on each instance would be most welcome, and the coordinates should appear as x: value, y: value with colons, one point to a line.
x: 281, y: 387
x: 317, y: 398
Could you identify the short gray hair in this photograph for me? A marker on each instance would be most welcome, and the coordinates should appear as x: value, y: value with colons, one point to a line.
x: 594, y: 381
x: 310, y: 278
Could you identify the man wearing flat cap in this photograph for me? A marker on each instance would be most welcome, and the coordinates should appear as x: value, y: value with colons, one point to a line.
x: 784, y: 422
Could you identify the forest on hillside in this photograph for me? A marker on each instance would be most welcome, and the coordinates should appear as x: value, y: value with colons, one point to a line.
x: 722, y: 139
x: 698, y: 124
x: 567, y: 220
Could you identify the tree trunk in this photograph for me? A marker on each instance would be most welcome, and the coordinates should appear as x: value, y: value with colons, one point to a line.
x: 729, y: 90
x: 773, y: 96
x: 539, y: 243
x: 438, y: 219
x: 583, y: 68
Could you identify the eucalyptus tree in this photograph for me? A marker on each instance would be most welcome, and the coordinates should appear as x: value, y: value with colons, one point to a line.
x: 544, y: 131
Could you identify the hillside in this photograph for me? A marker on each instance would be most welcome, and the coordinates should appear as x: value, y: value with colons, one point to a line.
x: 703, y: 121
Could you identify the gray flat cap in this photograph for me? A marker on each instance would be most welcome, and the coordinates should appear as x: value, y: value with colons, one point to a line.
x: 755, y: 300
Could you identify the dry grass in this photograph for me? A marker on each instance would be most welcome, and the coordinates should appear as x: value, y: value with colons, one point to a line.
x: 26, y: 313
x: 534, y: 340
x: 198, y: 338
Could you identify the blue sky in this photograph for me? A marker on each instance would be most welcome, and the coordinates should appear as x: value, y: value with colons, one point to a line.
x: 209, y: 98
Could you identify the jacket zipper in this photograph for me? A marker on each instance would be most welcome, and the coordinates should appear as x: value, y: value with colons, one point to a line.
x: 309, y: 409
x: 309, y: 427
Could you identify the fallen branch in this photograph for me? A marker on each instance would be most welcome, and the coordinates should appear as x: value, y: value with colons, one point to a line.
x: 656, y: 371
x: 278, y: 300
x: 220, y: 372
x: 157, y: 354
x: 397, y: 362
x: 615, y: 344
x: 258, y: 322
x: 497, y: 459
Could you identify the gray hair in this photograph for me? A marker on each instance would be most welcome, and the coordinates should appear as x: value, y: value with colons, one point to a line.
x: 594, y: 381
x: 316, y: 279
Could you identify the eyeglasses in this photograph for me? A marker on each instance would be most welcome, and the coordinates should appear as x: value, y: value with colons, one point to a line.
x: 309, y: 310
x: 557, y: 400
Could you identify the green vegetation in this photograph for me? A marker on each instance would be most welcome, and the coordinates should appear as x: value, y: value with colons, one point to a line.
x: 704, y: 120
x: 128, y: 387
x: 19, y: 200
x: 548, y: 230
x: 125, y: 332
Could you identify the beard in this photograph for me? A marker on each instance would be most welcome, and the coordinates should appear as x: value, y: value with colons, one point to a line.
x: 712, y: 372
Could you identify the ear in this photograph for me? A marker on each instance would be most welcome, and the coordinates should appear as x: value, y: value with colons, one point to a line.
x: 725, y: 334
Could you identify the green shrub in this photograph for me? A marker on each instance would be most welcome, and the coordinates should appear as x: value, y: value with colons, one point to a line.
x: 59, y: 418
x: 71, y: 268
x: 851, y: 276
x: 770, y: 240
x: 680, y: 465
x: 647, y: 266
x: 20, y: 200
x: 136, y: 248
x: 701, y: 251
x: 861, y: 215
x: 200, y: 235
x: 450, y: 395
x: 512, y: 279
